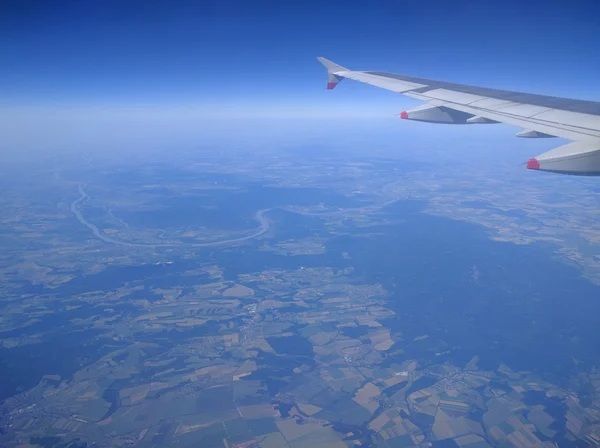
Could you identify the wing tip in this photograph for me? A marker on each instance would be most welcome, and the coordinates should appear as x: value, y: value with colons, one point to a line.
x: 331, y: 66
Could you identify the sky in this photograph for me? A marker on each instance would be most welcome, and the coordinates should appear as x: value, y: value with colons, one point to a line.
x: 74, y: 71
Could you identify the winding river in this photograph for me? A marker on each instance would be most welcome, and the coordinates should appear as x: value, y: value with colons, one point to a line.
x: 264, y: 223
x: 264, y: 226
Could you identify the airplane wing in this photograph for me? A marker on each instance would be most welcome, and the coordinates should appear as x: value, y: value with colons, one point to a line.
x: 539, y: 116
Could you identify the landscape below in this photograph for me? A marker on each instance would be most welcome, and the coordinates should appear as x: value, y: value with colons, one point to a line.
x: 296, y: 298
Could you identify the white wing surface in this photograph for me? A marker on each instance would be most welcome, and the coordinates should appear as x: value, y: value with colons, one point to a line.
x: 539, y: 116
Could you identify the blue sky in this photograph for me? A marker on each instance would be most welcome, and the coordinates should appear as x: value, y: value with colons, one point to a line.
x: 238, y: 59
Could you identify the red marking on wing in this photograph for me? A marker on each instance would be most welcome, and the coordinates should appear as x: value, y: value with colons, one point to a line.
x: 331, y: 85
x: 404, y: 115
x: 533, y: 164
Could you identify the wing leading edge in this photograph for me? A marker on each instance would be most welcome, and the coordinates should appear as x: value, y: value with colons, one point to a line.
x: 539, y: 116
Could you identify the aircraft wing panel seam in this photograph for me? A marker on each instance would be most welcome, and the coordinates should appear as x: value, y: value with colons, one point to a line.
x: 423, y: 90
x: 566, y: 104
x: 574, y: 128
x: 566, y: 131
x: 523, y: 105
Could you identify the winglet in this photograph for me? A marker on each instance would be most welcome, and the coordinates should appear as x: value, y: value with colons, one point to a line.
x: 333, y: 78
